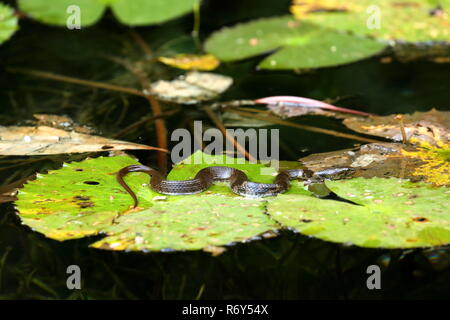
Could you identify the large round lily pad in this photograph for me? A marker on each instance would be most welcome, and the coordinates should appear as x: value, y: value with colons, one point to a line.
x: 84, y: 198
x: 387, y: 213
x: 298, y: 44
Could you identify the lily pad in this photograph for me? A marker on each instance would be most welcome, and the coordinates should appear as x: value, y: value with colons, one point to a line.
x: 431, y: 127
x: 415, y: 29
x: 410, y: 21
x: 387, y: 213
x: 83, y: 198
x: 136, y: 12
x: 424, y: 162
x: 143, y: 12
x: 8, y: 22
x: 192, y: 88
x: 300, y: 45
x: 54, y: 12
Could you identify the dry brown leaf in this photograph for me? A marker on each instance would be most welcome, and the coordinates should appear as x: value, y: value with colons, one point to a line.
x: 431, y: 126
x: 60, y: 122
x: 43, y: 140
x: 371, y: 160
x: 192, y: 88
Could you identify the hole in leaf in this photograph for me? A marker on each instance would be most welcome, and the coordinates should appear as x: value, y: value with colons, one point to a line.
x: 92, y: 183
x: 106, y: 147
x: 83, y: 198
x: 421, y: 219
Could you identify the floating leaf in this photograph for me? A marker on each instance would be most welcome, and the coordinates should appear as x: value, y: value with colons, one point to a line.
x: 435, y: 163
x: 431, y: 126
x: 136, y: 12
x: 84, y: 198
x: 300, y: 45
x: 59, y: 122
x: 55, y: 12
x: 388, y: 213
x: 8, y: 22
x: 143, y: 12
x: 301, y: 8
x: 31, y: 141
x: 409, y: 21
x: 191, y: 62
x: 424, y: 163
x: 194, y: 87
x: 78, y: 200
x: 419, y: 30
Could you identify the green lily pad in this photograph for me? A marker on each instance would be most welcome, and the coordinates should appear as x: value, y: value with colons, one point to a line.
x: 300, y: 45
x: 84, y: 198
x: 143, y: 12
x: 54, y: 12
x: 409, y: 21
x: 75, y: 201
x: 136, y: 12
x: 8, y: 22
x: 415, y: 29
x: 388, y: 213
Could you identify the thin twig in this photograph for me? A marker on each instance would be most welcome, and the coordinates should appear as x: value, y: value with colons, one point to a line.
x: 89, y: 83
x: 141, y: 42
x: 160, y: 125
x: 230, y: 138
x: 399, y: 117
x: 305, y: 127
x: 196, y: 28
x: 142, y: 121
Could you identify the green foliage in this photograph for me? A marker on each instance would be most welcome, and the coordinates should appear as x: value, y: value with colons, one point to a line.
x: 409, y: 21
x: 133, y: 13
x: 55, y: 12
x: 84, y: 198
x: 8, y: 22
x: 328, y: 38
x: 300, y: 45
x: 387, y: 213
x: 143, y: 12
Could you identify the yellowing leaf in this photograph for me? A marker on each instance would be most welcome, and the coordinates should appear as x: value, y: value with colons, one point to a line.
x: 430, y: 127
x: 191, y: 62
x: 301, y: 8
x: 436, y: 166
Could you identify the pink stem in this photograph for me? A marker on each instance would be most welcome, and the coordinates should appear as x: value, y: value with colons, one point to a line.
x: 308, y: 103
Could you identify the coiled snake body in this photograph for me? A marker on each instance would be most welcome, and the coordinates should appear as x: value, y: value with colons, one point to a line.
x: 238, y: 181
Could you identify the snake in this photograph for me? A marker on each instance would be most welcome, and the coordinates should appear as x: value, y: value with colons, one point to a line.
x: 238, y: 181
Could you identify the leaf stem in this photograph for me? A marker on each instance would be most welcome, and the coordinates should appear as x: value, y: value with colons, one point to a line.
x: 304, y: 127
x: 89, y: 83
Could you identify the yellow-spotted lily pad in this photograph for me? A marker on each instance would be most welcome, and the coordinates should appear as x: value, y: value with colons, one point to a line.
x: 384, y: 213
